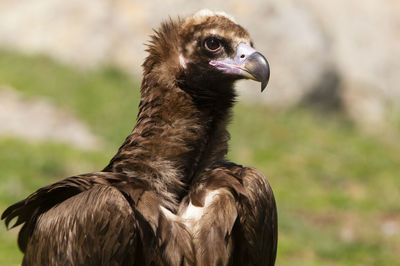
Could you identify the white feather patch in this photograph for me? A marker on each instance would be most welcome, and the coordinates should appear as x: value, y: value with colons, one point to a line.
x: 204, y: 13
x: 193, y: 214
x: 182, y: 61
x: 168, y: 214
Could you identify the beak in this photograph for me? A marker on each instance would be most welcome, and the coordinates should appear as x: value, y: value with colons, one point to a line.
x: 247, y: 63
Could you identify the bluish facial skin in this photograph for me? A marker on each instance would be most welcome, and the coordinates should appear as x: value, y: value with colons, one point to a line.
x: 247, y: 63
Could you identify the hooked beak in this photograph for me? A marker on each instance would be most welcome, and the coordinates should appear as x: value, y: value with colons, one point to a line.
x: 247, y: 63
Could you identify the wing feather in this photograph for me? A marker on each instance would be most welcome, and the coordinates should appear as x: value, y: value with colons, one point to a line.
x: 258, y: 218
x: 100, y: 218
x: 234, y: 217
x: 95, y: 227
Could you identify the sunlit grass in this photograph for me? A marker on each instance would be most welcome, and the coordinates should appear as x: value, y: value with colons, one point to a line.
x: 336, y: 188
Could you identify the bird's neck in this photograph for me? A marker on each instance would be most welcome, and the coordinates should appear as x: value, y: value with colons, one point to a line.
x: 175, y: 137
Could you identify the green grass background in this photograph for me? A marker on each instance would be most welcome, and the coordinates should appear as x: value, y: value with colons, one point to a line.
x: 336, y: 188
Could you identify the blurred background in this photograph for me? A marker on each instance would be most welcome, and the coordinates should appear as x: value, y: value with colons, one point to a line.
x: 325, y: 132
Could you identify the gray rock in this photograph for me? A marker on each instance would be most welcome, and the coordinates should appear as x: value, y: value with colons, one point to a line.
x: 365, y: 50
x: 39, y: 120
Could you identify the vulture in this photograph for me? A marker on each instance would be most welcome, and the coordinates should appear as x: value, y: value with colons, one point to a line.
x: 169, y: 196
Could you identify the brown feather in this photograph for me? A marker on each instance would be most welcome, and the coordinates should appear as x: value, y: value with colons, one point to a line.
x: 239, y: 227
x: 168, y: 197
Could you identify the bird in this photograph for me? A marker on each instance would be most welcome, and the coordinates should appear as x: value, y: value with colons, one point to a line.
x: 169, y: 196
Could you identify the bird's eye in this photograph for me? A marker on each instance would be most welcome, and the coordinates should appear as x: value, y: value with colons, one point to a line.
x: 212, y: 44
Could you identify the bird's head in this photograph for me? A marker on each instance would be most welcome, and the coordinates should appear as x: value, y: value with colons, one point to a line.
x: 214, y: 44
x: 206, y: 50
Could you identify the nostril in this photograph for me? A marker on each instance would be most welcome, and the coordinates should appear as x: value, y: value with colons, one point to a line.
x: 242, y: 56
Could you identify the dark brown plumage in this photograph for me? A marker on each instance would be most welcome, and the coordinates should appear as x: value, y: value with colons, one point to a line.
x: 169, y: 196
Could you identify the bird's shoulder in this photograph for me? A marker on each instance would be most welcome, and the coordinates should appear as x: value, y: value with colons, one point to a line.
x: 70, y: 196
x: 256, y: 221
x: 258, y: 218
x: 227, y: 173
